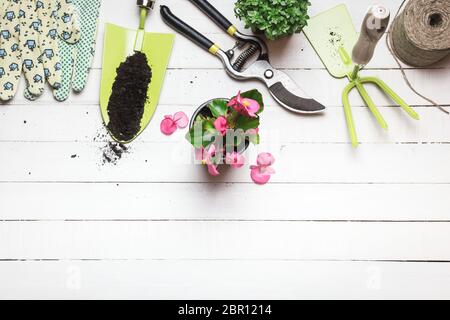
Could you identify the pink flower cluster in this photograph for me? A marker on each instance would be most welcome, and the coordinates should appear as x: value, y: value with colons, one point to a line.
x: 260, y: 173
x: 244, y: 106
x: 211, y: 156
x: 207, y: 157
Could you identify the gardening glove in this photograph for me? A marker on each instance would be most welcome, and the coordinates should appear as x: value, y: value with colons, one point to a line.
x: 76, y: 59
x: 75, y: 74
x: 19, y: 48
x: 59, y: 23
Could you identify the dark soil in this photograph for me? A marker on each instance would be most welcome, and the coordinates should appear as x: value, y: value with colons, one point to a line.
x: 129, y: 95
x: 113, y: 152
x: 335, y: 38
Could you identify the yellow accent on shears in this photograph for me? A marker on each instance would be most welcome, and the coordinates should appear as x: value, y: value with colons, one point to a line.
x: 214, y: 49
x: 232, y: 30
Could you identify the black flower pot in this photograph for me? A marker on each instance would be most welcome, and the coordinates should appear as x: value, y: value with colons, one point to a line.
x: 204, y: 110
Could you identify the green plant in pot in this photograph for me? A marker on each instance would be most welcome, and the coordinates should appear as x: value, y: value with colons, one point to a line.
x: 274, y: 18
x: 222, y: 129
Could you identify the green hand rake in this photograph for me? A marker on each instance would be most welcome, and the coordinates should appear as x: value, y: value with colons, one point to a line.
x: 333, y: 36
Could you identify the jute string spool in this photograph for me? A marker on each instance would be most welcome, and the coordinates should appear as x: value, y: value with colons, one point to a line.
x: 420, y: 35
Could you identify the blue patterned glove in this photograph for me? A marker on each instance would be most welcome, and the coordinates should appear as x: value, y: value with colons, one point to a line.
x: 76, y: 59
x: 19, y: 48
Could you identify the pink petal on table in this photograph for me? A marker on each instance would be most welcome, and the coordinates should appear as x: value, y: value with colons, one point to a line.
x: 168, y: 126
x: 258, y: 177
x: 267, y: 170
x: 265, y: 159
x: 181, y: 119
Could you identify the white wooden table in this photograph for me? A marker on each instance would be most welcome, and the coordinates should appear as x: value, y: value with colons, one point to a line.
x: 334, y: 222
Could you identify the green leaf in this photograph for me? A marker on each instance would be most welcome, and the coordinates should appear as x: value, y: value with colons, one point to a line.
x: 208, y: 126
x: 208, y: 138
x: 218, y: 108
x: 190, y: 136
x: 275, y: 18
x: 245, y: 123
x: 202, y: 134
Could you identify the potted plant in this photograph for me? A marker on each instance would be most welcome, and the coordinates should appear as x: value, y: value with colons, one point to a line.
x: 276, y: 19
x: 222, y: 129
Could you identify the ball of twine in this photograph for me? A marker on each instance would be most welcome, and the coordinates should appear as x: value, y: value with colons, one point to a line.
x: 420, y: 36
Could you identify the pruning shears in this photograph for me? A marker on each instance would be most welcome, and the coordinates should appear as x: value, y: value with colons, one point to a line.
x: 285, y: 91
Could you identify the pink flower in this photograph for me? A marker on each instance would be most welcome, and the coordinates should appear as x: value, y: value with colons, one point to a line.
x: 212, y: 169
x: 170, y: 124
x: 221, y: 125
x: 262, y: 172
x: 246, y: 107
x: 206, y: 156
x: 235, y: 160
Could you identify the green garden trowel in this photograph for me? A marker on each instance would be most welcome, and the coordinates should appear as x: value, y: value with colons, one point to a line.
x: 121, y: 43
x: 344, y: 54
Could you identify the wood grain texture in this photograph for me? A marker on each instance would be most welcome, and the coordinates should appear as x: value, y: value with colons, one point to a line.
x: 334, y: 222
x: 296, y: 163
x: 275, y: 123
x: 238, y: 202
x: 236, y: 280
x: 187, y: 87
x: 230, y: 240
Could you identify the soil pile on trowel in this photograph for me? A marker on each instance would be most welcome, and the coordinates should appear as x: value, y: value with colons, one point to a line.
x: 129, y: 96
x: 133, y: 69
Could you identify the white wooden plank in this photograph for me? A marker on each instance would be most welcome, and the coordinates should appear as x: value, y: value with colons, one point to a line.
x: 173, y: 162
x: 343, y: 202
x: 188, y: 87
x: 294, y: 52
x: 225, y: 240
x: 223, y: 280
x: 51, y: 123
x: 291, y: 52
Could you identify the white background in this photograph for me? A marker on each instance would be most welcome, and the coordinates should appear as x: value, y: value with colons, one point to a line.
x: 334, y: 223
